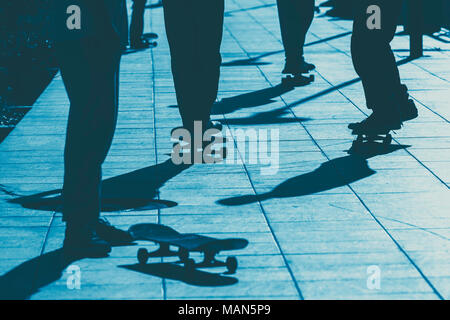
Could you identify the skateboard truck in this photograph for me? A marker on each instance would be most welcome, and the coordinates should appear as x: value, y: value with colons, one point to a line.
x: 209, y: 258
x: 384, y: 138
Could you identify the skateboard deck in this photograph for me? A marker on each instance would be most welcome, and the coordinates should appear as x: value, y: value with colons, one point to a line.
x: 165, y: 237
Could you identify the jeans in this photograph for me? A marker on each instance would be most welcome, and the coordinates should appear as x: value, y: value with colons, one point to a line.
x: 194, y: 30
x: 137, y: 21
x: 373, y: 58
x: 90, y: 72
x: 295, y: 18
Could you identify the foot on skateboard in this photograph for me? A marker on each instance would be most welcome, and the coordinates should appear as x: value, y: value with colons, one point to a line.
x: 297, y: 80
x: 143, y: 44
x: 374, y: 129
x: 294, y: 73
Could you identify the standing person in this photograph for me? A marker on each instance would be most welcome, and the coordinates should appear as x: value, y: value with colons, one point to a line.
x: 194, y: 30
x: 137, y: 40
x: 295, y: 18
x: 89, y: 40
x: 375, y: 63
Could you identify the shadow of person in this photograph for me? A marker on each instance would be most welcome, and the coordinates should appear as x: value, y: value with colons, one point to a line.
x: 269, y: 117
x: 133, y: 191
x: 27, y: 278
x: 249, y: 100
x: 254, y: 61
x: 245, y: 62
x: 176, y: 272
x: 330, y: 175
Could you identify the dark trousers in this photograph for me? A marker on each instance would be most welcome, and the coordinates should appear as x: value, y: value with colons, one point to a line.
x: 373, y: 58
x: 137, y: 21
x: 90, y: 71
x: 295, y: 17
x: 194, y: 30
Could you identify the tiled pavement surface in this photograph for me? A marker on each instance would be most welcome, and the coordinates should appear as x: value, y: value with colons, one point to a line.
x: 314, y: 228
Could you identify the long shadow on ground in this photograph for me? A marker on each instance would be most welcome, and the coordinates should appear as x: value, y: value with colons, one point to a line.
x: 268, y: 117
x: 27, y: 278
x: 136, y: 191
x: 177, y: 272
x: 330, y: 175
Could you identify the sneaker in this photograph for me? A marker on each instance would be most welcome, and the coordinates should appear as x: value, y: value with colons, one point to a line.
x: 114, y: 236
x: 408, y: 111
x: 298, y: 68
x: 376, y: 124
x: 83, y: 242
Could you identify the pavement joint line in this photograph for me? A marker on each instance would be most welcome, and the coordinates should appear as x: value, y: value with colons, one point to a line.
x: 154, y: 89
x: 37, y: 270
x: 277, y: 242
x: 401, y: 212
x: 428, y: 108
x: 348, y: 185
x: 393, y: 138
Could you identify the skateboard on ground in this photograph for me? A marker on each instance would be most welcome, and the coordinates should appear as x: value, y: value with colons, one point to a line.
x: 362, y: 138
x: 166, y: 237
x: 297, y: 80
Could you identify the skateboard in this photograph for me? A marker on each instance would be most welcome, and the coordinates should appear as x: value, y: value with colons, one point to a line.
x: 297, y: 80
x: 165, y: 237
x: 361, y: 138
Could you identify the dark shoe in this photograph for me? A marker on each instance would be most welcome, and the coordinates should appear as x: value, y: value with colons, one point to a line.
x: 298, y: 68
x: 82, y: 241
x: 376, y: 124
x: 408, y: 111
x: 196, y: 154
x: 142, y: 44
x: 111, y: 234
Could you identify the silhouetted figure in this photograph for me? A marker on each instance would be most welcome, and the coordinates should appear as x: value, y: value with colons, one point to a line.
x: 89, y: 58
x: 137, y: 41
x: 375, y: 63
x: 295, y: 17
x: 194, y: 30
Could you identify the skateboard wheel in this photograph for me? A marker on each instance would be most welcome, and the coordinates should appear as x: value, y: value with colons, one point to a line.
x: 312, y: 78
x: 232, y: 264
x: 189, y: 264
x: 142, y: 256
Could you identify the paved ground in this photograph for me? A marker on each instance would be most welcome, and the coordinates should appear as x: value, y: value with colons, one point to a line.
x: 324, y: 226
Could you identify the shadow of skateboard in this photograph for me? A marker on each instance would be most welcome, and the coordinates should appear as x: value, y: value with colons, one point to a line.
x: 188, y: 242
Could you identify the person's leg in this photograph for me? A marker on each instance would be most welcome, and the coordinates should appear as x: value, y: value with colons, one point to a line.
x: 373, y: 58
x: 209, y: 18
x: 295, y: 18
x: 181, y: 35
x: 137, y: 22
x: 91, y: 80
